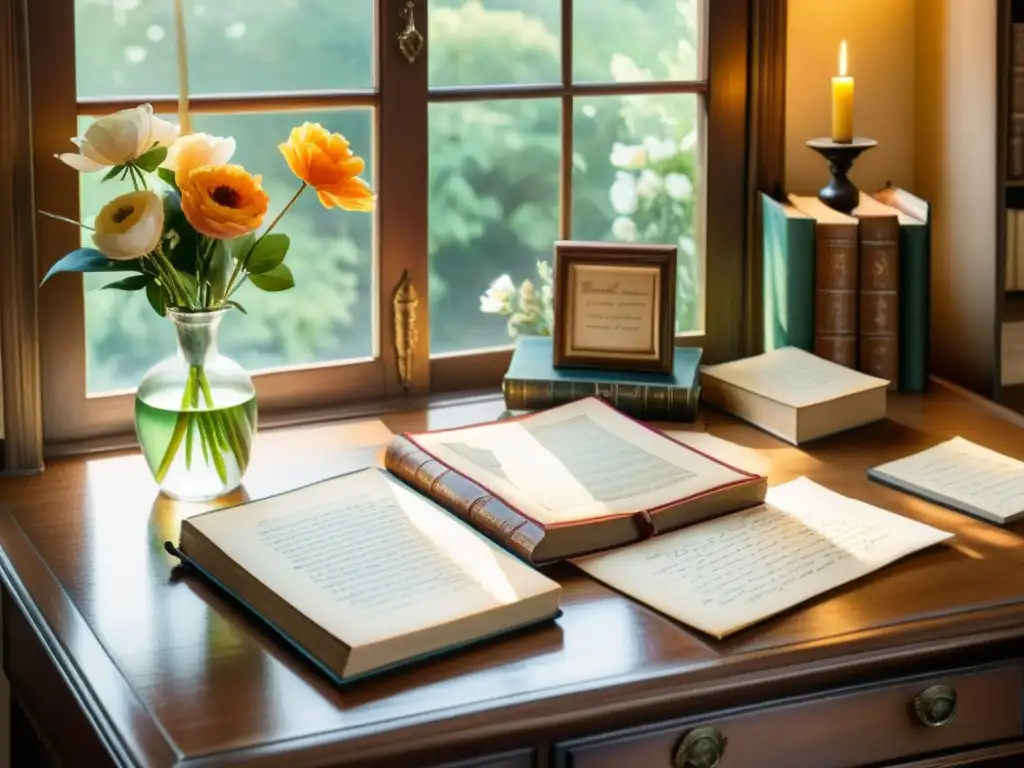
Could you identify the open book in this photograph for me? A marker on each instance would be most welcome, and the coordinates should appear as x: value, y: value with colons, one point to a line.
x: 724, y: 575
x: 961, y: 475
x: 571, y: 480
x: 362, y: 574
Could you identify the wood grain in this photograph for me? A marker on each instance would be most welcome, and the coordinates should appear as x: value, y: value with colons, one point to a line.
x: 164, y: 670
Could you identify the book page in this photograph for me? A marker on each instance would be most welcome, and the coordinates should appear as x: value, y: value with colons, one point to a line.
x: 578, y: 461
x: 793, y: 377
x: 728, y: 573
x: 962, y: 474
x: 368, y: 559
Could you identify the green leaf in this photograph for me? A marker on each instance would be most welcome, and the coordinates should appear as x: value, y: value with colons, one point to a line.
x: 167, y: 177
x: 91, y: 260
x: 277, y: 279
x: 237, y: 306
x: 113, y: 172
x: 133, y: 283
x: 155, y: 294
x: 187, y: 242
x: 190, y: 284
x: 152, y: 159
x: 268, y: 254
x: 222, y: 263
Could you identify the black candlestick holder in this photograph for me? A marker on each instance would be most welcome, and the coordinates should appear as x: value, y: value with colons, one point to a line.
x: 841, y: 194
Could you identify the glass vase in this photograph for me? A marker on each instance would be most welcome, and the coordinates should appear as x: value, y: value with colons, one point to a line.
x: 195, y: 413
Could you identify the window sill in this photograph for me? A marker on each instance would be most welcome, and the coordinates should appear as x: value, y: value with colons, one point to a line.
x: 369, y: 409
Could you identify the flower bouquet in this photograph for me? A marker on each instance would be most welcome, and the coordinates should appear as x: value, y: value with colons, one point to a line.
x: 190, y: 236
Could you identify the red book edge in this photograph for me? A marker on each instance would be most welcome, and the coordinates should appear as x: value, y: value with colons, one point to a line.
x: 644, y: 513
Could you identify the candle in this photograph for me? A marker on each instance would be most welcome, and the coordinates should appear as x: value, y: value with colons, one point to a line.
x: 842, y: 102
x: 184, y: 119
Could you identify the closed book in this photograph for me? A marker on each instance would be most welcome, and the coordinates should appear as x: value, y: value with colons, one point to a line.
x: 915, y: 286
x: 570, y: 480
x: 795, y: 395
x: 533, y: 383
x: 836, y: 276
x: 788, y: 275
x: 878, y: 334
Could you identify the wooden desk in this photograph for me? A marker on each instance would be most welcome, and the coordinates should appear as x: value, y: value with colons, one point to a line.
x: 117, y: 662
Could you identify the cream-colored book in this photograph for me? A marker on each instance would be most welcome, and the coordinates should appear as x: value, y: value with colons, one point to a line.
x: 794, y: 394
x: 729, y: 573
x: 363, y: 574
x: 961, y: 475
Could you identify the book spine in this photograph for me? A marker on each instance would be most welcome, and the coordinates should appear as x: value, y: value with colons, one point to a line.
x: 915, y: 289
x: 462, y: 497
x: 651, y: 402
x: 835, y: 298
x: 787, y: 288
x: 879, y: 297
x: 1015, y: 134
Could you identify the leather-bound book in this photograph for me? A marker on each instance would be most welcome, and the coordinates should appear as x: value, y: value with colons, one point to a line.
x: 836, y: 277
x: 879, y: 353
x: 571, y: 480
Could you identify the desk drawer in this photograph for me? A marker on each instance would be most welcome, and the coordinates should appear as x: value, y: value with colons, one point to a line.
x: 843, y: 730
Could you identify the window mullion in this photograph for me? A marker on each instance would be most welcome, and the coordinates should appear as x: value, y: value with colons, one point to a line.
x: 403, y: 189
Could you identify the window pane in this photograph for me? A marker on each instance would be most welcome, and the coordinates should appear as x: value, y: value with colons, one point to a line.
x: 494, y: 42
x: 126, y: 47
x: 494, y: 181
x: 635, y: 40
x: 635, y: 180
x: 327, y: 316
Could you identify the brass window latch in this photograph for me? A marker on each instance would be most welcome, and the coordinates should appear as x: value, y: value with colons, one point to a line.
x: 410, y: 39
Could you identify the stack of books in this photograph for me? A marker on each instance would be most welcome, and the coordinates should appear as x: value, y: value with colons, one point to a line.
x: 533, y: 383
x: 852, y: 289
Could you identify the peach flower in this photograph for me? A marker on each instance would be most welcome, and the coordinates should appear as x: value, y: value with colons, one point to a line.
x: 325, y: 161
x: 223, y: 201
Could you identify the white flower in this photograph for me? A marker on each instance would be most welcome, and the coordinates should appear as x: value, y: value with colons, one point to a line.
x: 679, y: 186
x: 623, y: 194
x: 689, y: 141
x: 498, y: 299
x: 628, y: 156
x: 526, y: 292
x: 196, y: 150
x: 624, y: 229
x: 129, y: 226
x: 120, y: 138
x: 659, y: 149
x: 649, y: 184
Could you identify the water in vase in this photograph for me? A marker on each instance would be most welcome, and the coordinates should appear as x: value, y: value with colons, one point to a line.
x: 199, y: 452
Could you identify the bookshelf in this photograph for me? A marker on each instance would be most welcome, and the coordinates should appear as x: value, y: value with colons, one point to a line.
x: 1010, y: 204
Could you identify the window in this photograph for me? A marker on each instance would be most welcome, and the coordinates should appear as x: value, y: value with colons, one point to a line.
x: 523, y: 122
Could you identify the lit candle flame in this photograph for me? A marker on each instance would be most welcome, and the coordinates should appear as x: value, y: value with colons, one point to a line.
x: 842, y: 59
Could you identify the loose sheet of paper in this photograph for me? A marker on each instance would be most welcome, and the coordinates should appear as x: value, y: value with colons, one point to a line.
x: 578, y: 461
x: 731, y: 572
x: 963, y: 475
x: 793, y: 376
x: 367, y: 559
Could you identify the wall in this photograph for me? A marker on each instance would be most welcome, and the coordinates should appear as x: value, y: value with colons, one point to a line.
x: 955, y: 146
x: 880, y: 36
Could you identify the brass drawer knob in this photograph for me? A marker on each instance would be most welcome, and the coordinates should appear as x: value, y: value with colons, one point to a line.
x: 935, y: 706
x: 700, y: 748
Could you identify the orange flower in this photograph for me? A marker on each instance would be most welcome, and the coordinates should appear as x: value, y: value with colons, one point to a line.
x: 325, y: 162
x: 223, y: 201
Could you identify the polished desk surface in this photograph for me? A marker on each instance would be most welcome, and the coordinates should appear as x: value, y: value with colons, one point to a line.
x: 169, y: 670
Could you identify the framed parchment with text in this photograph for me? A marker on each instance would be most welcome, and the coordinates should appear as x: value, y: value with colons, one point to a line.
x: 614, y: 306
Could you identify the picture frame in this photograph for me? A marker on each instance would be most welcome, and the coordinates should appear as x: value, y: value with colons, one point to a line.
x: 615, y: 306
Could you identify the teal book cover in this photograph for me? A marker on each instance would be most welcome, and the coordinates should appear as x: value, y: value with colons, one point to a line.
x: 788, y: 276
x: 533, y: 360
x: 915, y: 286
x: 533, y: 383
